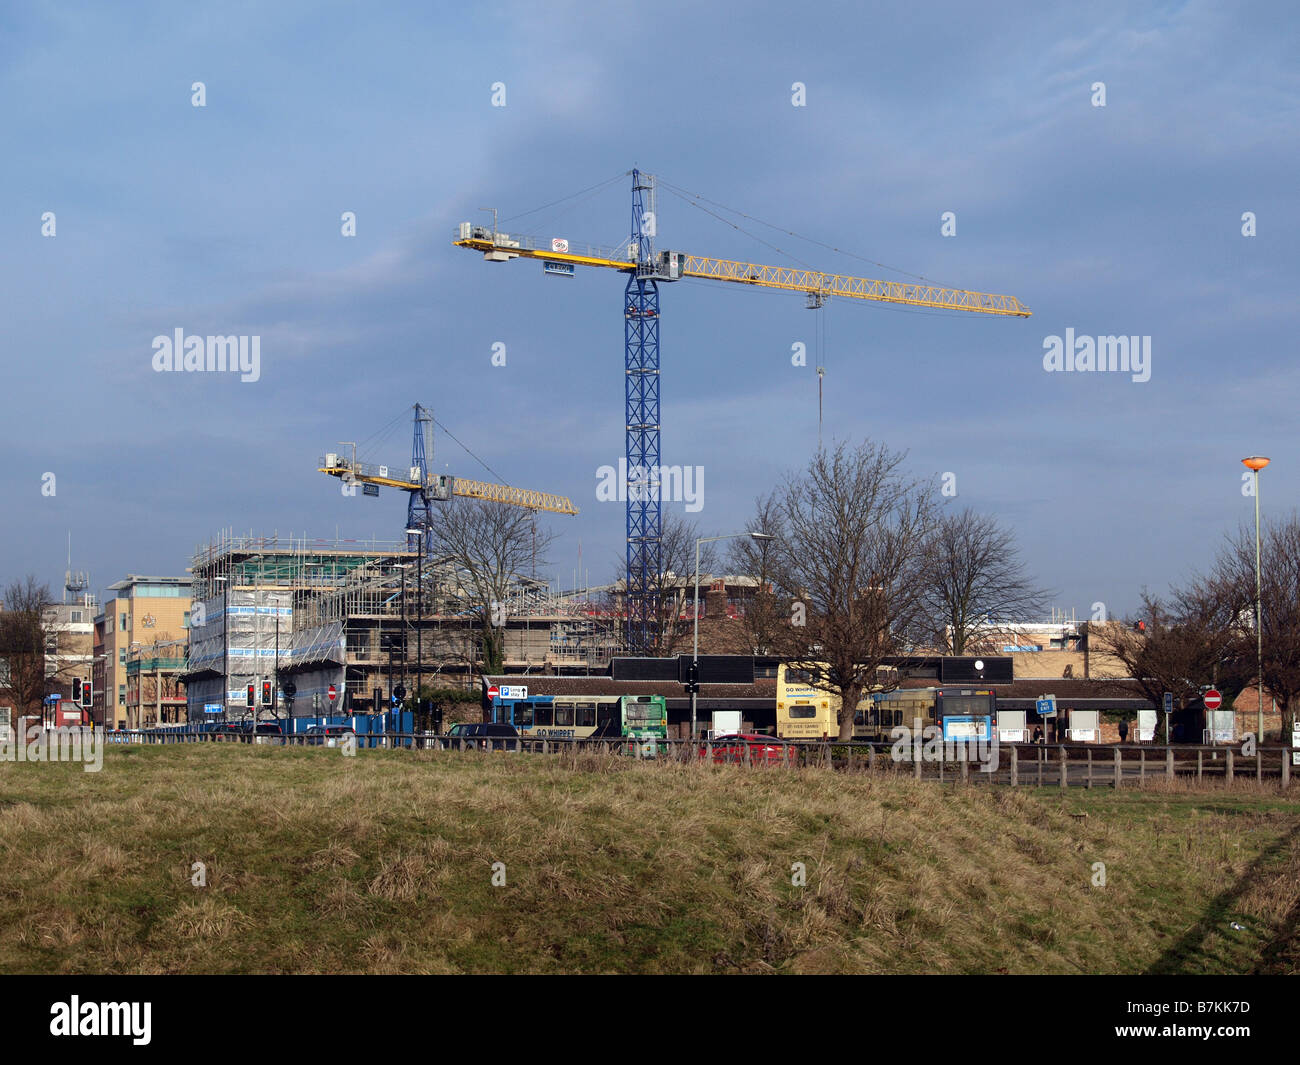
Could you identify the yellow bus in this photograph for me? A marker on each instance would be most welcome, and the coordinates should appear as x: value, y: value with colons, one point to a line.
x: 807, y: 713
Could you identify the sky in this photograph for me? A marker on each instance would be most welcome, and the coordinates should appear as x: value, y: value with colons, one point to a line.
x: 1121, y: 169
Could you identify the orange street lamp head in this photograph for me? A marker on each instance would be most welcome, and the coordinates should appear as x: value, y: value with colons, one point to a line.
x: 1255, y: 462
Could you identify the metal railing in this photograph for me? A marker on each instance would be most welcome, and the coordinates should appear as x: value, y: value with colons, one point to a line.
x: 1014, y: 765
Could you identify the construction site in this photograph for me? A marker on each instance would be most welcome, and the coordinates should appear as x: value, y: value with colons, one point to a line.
x: 345, y: 626
x: 362, y: 618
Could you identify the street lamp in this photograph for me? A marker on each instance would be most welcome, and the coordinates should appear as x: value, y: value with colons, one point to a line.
x: 695, y: 654
x: 1255, y: 463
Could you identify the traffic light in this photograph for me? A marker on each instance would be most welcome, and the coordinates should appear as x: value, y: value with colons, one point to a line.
x: 266, y: 693
x: 252, y: 691
x: 76, y: 690
x: 87, y: 694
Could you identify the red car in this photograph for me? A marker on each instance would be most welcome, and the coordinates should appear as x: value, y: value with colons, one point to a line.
x: 753, y: 749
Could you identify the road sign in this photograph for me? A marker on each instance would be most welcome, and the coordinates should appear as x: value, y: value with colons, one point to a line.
x: 1169, y: 702
x: 1213, y: 699
x: 1046, y: 706
x: 514, y: 691
x: 333, y: 693
x: 493, y: 692
x: 212, y: 708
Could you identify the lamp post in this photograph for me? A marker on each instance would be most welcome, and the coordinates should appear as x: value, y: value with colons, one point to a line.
x: 1255, y: 463
x: 695, y: 652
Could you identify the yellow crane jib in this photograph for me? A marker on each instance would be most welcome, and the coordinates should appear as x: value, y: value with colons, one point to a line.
x: 442, y: 486
x: 675, y: 265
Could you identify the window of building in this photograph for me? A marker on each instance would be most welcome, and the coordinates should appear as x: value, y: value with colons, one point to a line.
x: 121, y: 695
x: 121, y: 623
x: 121, y: 657
x: 76, y: 617
x: 185, y: 620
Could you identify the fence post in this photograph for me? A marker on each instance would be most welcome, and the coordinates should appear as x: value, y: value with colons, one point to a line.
x: 1259, y: 763
x: 916, y: 762
x: 1064, y: 767
x: 871, y: 756
x: 965, y: 771
x: 1042, y: 760
x: 1169, y: 762
x: 1015, y: 768
x: 1200, y: 757
x: 1142, y: 765
x: 1119, y: 766
x: 1089, y: 767
x: 1227, y: 768
x: 1286, y: 767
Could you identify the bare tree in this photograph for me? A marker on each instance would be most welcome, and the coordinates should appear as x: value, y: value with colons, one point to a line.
x: 974, y: 580
x: 1232, y: 583
x: 24, y: 626
x: 1184, y: 644
x: 491, y: 544
x: 765, y: 613
x: 849, y: 555
x: 673, y: 587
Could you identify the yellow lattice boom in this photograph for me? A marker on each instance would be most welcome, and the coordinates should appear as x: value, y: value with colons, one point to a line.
x: 517, y: 497
x: 442, y: 486
x: 502, y: 247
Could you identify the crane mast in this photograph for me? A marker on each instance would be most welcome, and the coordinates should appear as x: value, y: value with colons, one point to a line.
x: 645, y: 269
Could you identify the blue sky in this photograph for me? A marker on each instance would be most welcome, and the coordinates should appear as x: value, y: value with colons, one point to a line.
x: 225, y: 219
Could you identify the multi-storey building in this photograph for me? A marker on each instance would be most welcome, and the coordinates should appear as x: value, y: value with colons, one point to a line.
x: 145, y: 615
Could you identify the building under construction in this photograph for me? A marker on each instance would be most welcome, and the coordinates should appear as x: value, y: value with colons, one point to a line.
x: 363, y: 618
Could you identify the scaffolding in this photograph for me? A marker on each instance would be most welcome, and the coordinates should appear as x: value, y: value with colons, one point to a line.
x: 350, y: 614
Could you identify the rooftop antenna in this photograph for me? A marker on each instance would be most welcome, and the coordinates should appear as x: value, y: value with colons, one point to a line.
x: 73, y: 583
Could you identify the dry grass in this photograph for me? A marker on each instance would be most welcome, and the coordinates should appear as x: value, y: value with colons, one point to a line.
x: 385, y: 863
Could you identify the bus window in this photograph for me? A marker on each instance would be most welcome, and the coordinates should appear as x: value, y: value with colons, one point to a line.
x: 523, y: 715
x: 542, y: 714
x: 584, y: 715
x: 802, y: 710
x: 501, y: 714
x: 608, y: 714
x: 564, y: 715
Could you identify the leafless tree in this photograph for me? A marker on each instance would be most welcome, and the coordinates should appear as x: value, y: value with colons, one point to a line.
x: 490, y: 544
x: 673, y: 588
x: 1185, y: 643
x: 764, y: 613
x: 973, y: 581
x: 1231, y: 583
x: 849, y: 556
x: 24, y: 626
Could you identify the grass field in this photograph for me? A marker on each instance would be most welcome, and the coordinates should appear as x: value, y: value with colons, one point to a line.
x: 384, y: 863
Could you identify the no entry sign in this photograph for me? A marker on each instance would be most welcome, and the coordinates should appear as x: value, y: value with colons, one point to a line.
x: 1213, y: 700
x: 493, y: 692
x: 333, y: 693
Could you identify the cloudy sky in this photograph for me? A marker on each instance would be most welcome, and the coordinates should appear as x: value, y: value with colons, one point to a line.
x: 1122, y: 219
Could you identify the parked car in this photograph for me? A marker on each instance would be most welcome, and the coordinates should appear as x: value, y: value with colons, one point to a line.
x: 265, y: 732
x: 329, y: 735
x: 752, y: 749
x: 483, y: 736
x: 226, y: 732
